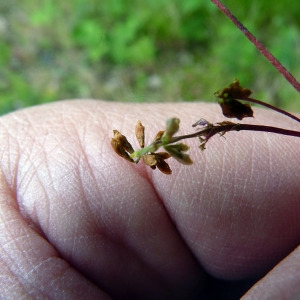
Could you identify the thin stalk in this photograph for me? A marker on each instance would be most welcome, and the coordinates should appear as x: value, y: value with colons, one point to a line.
x: 210, y: 131
x: 259, y: 46
x: 271, y: 107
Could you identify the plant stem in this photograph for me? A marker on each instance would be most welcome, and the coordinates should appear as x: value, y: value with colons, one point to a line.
x: 210, y: 131
x: 259, y: 46
x: 271, y: 107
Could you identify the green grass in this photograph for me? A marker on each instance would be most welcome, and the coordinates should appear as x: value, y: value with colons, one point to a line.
x: 155, y: 51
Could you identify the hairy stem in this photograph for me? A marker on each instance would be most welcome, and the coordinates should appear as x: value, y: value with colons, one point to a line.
x: 259, y: 46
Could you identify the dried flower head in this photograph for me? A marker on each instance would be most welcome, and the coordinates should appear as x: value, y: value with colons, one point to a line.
x: 121, y: 146
x: 234, y: 91
x: 158, y: 160
x: 148, y: 154
x: 140, y: 133
x: 231, y: 107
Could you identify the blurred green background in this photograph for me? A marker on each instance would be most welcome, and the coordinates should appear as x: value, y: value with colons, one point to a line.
x: 154, y: 51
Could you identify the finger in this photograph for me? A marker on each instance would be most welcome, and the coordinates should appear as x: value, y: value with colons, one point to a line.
x: 237, y: 205
x: 105, y: 219
x: 30, y: 266
x: 216, y: 226
x: 282, y: 282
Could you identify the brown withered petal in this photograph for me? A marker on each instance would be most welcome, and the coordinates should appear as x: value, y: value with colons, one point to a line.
x: 235, y: 109
x: 122, y: 140
x: 237, y: 91
x: 149, y: 159
x: 119, y: 149
x: 234, y: 91
x: 162, y: 165
x: 164, y: 155
x: 140, y: 133
x: 158, y: 135
x: 154, y: 160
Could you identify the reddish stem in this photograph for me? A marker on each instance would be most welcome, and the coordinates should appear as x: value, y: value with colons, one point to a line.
x: 259, y: 46
x: 271, y: 107
x: 209, y: 131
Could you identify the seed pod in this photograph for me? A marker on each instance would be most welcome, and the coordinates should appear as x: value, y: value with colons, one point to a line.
x: 140, y: 133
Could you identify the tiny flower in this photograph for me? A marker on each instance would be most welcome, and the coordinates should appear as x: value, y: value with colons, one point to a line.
x: 158, y: 136
x: 231, y: 107
x: 123, y: 141
x: 119, y: 149
x: 201, y: 122
x: 148, y: 154
x: 121, y: 145
x: 158, y: 160
x: 234, y: 91
x: 140, y: 133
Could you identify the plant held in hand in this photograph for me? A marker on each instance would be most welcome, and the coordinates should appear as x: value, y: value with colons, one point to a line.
x: 231, y: 107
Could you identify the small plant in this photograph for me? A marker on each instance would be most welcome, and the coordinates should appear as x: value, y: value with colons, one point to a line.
x: 231, y: 106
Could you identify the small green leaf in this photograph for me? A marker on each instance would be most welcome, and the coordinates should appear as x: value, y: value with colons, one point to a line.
x: 177, y: 150
x: 172, y: 126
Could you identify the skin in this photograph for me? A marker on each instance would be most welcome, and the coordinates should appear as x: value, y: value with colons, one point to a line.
x: 79, y: 222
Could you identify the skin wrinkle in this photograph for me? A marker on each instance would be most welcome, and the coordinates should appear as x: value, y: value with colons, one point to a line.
x: 173, y: 220
x: 35, y: 269
x: 165, y: 263
x: 224, y: 185
x: 29, y: 209
x: 39, y: 144
x: 13, y: 167
x: 14, y: 243
x: 242, y: 163
x: 84, y: 156
x: 46, y: 190
x: 15, y: 269
x: 269, y: 159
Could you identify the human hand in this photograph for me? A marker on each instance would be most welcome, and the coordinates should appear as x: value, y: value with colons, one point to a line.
x: 77, y: 221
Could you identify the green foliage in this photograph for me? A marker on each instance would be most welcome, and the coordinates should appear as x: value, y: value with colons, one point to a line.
x: 159, y: 50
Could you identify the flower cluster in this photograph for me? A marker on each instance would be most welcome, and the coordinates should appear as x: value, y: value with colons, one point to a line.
x: 231, y: 107
x: 148, y: 154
